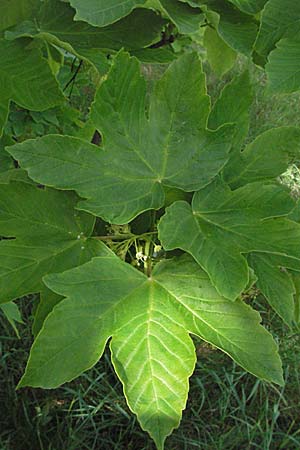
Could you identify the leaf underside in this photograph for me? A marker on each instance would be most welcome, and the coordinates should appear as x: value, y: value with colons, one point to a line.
x: 149, y: 321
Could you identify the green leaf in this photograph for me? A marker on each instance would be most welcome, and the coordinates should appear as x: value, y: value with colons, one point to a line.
x: 186, y: 18
x: 237, y: 29
x: 296, y: 280
x: 50, y: 236
x: 222, y: 225
x: 6, y: 162
x: 234, y: 106
x: 26, y: 79
x: 148, y: 321
x: 15, y: 11
x: 276, y: 284
x: 140, y: 155
x: 242, y: 338
x: 267, y: 157
x: 220, y: 56
x: 14, y: 174
x: 162, y: 55
x: 195, y: 4
x: 249, y: 6
x: 55, y: 25
x: 13, y: 315
x: 276, y: 18
x: 48, y: 299
x: 283, y: 67
x: 100, y: 13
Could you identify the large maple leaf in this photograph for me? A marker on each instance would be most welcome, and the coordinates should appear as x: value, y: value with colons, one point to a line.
x: 141, y: 154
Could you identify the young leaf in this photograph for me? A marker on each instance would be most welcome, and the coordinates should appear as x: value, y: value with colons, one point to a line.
x: 221, y: 226
x: 50, y: 236
x: 149, y: 321
x: 140, y: 155
x: 30, y: 83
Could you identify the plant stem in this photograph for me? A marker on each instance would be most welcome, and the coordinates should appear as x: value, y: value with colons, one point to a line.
x: 149, y: 247
x: 148, y: 263
x: 125, y: 236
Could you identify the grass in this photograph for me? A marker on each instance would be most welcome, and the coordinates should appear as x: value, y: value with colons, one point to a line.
x: 227, y: 409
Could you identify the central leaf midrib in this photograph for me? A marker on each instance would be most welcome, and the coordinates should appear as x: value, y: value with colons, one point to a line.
x: 150, y: 358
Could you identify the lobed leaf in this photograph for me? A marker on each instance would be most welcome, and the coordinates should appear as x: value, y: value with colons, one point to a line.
x: 222, y: 225
x: 149, y: 321
x: 140, y: 155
